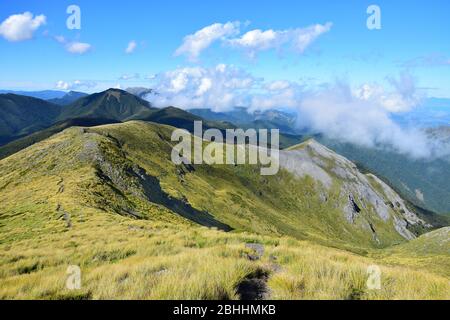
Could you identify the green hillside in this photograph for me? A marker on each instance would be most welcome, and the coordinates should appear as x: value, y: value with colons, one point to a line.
x: 88, y: 111
x: 22, y: 115
x: 430, y: 250
x: 424, y: 182
x: 182, y: 119
x: 110, y: 200
x: 38, y: 136
x: 110, y: 104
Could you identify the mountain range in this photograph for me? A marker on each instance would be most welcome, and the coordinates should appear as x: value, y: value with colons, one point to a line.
x: 93, y: 184
x: 421, y: 182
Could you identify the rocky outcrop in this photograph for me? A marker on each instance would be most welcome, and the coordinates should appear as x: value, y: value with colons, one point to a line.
x: 363, y: 196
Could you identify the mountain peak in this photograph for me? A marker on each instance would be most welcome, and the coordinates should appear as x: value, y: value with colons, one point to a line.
x: 112, y: 103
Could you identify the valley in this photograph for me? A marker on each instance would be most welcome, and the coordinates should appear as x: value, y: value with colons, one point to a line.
x: 109, y: 200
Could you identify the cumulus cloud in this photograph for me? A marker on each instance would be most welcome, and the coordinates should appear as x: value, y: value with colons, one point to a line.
x: 257, y: 40
x: 339, y: 114
x: 251, y: 42
x: 132, y: 45
x: 74, y: 47
x: 220, y: 88
x: 403, y: 96
x: 360, y: 115
x: 78, y: 47
x: 194, y: 44
x: 297, y: 39
x: 77, y: 84
x: 20, y: 27
x: 303, y: 38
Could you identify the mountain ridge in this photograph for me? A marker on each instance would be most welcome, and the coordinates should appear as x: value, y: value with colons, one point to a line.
x: 109, y: 199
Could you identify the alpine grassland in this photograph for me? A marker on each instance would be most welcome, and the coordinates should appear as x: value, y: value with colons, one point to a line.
x: 109, y: 200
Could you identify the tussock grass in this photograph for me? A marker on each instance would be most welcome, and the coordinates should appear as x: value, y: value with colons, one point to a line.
x: 57, y: 209
x: 125, y: 259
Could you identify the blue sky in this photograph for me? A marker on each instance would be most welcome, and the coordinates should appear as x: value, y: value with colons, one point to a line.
x: 413, y: 39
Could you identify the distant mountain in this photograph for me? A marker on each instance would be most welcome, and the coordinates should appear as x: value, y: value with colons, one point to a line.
x: 110, y: 104
x: 236, y: 115
x: 269, y: 119
x: 22, y: 115
x: 44, y: 95
x: 424, y: 183
x: 68, y: 98
x: 182, y: 119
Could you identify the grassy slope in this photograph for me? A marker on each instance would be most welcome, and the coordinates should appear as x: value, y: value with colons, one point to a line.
x: 110, y: 104
x: 239, y: 196
x: 22, y: 143
x: 429, y: 177
x: 21, y: 115
x: 430, y: 250
x: 57, y: 209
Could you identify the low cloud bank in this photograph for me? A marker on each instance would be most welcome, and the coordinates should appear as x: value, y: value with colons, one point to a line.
x: 360, y: 115
x: 339, y: 113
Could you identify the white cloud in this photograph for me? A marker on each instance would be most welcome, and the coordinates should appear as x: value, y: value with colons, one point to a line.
x: 19, y: 27
x: 132, y: 45
x: 78, y: 47
x: 359, y: 115
x: 194, y: 44
x: 62, y: 85
x: 77, y: 84
x: 150, y: 77
x: 132, y: 76
x: 258, y: 40
x: 339, y: 114
x: 220, y: 88
x: 402, y: 98
x: 297, y: 39
x: 205, y: 85
x: 253, y: 41
x: 277, y: 85
x: 303, y: 38
x: 74, y: 47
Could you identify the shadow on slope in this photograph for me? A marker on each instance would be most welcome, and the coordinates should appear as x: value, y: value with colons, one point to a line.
x: 155, y: 194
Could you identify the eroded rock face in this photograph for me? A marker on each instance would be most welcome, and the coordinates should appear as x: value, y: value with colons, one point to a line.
x: 363, y: 196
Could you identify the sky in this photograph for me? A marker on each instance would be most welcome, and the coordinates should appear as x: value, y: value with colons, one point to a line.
x: 346, y: 67
x: 412, y: 39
